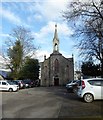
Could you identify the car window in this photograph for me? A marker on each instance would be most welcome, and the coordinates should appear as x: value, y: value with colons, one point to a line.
x: 74, y: 81
x: 79, y: 82
x: 3, y: 83
x: 101, y: 82
x: 69, y: 82
x: 11, y: 83
x: 95, y: 82
x: 0, y: 82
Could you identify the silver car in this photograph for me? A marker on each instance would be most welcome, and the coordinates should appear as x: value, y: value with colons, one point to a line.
x: 91, y: 89
x: 8, y: 86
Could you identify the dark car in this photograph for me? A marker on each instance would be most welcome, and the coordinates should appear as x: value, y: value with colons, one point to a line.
x: 29, y: 83
x: 72, y: 85
x: 37, y: 83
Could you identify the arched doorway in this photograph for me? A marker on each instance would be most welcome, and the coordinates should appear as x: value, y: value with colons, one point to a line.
x: 56, y: 81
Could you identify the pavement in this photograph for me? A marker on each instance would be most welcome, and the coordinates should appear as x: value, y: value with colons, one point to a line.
x: 47, y: 102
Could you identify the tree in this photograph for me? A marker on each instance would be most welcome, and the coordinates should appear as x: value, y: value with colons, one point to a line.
x: 15, y: 56
x: 30, y: 70
x: 19, y: 46
x: 90, y: 69
x: 25, y: 37
x: 87, y: 19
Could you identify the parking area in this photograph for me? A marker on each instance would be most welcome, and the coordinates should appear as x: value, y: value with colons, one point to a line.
x: 47, y: 102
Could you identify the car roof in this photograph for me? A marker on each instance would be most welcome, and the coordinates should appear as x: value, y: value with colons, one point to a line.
x: 3, y: 80
x: 17, y: 80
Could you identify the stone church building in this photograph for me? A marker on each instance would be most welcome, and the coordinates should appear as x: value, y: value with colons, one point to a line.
x: 56, y: 70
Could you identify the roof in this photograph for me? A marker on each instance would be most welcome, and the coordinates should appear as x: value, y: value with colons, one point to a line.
x: 1, y: 78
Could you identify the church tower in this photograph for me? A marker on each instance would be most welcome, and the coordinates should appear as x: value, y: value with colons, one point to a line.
x: 55, y: 41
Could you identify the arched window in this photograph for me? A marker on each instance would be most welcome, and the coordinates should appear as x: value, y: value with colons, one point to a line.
x: 56, y: 66
x: 56, y: 47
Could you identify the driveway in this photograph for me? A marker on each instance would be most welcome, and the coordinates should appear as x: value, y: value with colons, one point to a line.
x: 47, y: 102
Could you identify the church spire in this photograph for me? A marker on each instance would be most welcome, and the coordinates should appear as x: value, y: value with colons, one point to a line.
x: 55, y: 40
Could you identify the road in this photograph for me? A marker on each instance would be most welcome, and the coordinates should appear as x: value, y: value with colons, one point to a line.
x: 47, y: 102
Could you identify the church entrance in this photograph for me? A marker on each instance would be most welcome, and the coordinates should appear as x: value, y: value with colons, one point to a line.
x: 56, y: 81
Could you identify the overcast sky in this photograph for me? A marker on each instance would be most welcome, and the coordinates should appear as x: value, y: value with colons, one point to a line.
x: 40, y: 16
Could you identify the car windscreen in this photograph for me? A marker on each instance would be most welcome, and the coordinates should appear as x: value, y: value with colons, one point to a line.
x: 11, y: 83
x: 69, y: 81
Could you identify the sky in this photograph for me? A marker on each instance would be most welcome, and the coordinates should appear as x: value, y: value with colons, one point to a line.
x: 40, y: 16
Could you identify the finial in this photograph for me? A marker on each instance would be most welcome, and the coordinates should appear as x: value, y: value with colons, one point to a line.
x: 55, y: 25
x: 44, y: 57
x: 55, y: 34
x: 55, y: 40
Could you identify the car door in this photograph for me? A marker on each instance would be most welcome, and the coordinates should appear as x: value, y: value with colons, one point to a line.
x: 0, y: 86
x: 96, y: 87
x: 102, y: 88
x: 4, y: 85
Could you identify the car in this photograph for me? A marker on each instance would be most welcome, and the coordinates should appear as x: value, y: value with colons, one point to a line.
x: 91, y: 89
x: 71, y: 85
x: 21, y: 83
x: 29, y: 83
x: 37, y: 83
x: 8, y: 86
x: 14, y: 82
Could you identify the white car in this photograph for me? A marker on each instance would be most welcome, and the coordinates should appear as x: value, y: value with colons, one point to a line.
x: 91, y: 89
x: 8, y: 86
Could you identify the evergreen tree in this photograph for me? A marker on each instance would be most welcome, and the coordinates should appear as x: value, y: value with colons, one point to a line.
x: 15, y: 55
x: 90, y: 69
x: 30, y: 69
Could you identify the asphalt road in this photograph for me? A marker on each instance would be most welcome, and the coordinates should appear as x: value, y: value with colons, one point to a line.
x: 47, y: 102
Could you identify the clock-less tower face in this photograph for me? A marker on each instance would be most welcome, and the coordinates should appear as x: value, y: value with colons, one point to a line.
x: 55, y: 41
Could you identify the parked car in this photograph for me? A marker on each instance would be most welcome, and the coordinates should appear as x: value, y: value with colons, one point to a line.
x: 8, y: 86
x: 91, y: 89
x: 29, y: 83
x: 71, y: 85
x: 21, y: 84
x: 14, y: 82
x: 37, y: 83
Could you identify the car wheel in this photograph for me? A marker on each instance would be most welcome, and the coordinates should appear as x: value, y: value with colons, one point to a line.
x: 88, y: 98
x: 10, y: 90
x: 74, y: 90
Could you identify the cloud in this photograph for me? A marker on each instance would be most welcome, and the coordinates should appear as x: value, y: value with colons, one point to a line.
x: 10, y: 16
x: 48, y: 9
x: 47, y: 32
x: 38, y: 17
x: 18, y: 0
x: 4, y: 35
x: 65, y: 54
x: 40, y: 54
x: 3, y: 62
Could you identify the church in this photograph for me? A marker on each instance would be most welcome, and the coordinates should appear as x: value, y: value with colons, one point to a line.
x: 56, y: 70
